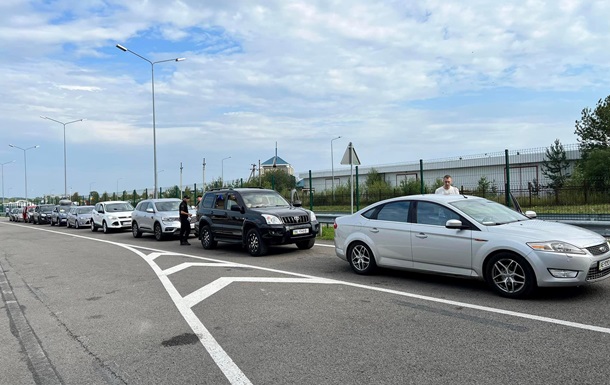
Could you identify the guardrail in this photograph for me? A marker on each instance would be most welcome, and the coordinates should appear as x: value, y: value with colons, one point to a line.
x: 594, y: 224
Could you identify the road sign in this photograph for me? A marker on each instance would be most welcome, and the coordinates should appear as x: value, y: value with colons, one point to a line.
x: 350, y: 156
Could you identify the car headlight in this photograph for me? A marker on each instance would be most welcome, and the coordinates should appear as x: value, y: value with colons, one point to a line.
x: 312, y: 215
x: 112, y: 217
x: 169, y: 219
x: 272, y: 219
x: 556, y: 247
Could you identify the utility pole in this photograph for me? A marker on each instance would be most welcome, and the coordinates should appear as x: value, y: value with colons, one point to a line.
x: 203, y: 184
x: 180, y: 180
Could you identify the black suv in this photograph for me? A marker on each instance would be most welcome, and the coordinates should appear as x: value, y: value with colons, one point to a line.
x: 255, y: 218
x: 42, y: 214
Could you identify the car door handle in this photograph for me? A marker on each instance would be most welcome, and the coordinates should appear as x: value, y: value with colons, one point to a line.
x: 374, y: 230
x: 421, y: 236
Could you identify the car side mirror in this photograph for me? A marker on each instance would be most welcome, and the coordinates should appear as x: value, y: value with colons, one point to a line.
x: 100, y: 211
x: 238, y: 208
x: 149, y: 210
x: 297, y: 203
x: 530, y: 214
x: 455, y: 224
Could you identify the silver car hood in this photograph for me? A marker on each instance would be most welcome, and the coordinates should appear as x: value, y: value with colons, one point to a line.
x: 537, y: 230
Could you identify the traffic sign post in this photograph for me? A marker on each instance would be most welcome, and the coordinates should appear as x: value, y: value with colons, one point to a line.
x: 350, y: 157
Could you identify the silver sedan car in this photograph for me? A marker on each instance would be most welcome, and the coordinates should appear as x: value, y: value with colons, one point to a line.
x: 471, y: 237
x: 79, y: 216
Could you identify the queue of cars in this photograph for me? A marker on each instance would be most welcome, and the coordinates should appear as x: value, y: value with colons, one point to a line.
x: 458, y: 235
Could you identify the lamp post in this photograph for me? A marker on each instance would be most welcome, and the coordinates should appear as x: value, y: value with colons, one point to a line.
x: 332, y: 169
x: 152, y: 70
x: 25, y: 167
x: 65, y: 162
x: 2, y: 164
x: 222, y: 171
x: 117, y: 188
x: 90, y: 190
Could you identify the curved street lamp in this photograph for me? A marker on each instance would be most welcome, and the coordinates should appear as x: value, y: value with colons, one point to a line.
x: 25, y: 167
x: 152, y: 70
x: 65, y: 163
x: 222, y: 171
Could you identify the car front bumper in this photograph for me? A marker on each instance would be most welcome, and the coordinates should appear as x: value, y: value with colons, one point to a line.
x: 286, y: 234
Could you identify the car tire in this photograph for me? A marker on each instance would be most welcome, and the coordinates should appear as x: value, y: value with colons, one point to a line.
x: 52, y: 223
x: 135, y: 230
x: 158, y: 232
x: 76, y: 225
x: 308, y: 244
x: 510, y: 276
x: 105, y: 229
x: 207, y: 238
x: 93, y: 226
x: 255, y: 244
x: 361, y: 258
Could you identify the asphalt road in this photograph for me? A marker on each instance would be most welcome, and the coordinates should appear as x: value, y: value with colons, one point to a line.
x: 92, y: 308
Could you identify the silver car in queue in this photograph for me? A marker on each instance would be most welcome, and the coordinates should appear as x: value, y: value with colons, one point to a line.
x: 79, y: 216
x: 471, y: 237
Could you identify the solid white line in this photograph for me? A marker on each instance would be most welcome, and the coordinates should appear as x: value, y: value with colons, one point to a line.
x: 205, y: 292
x: 186, y: 265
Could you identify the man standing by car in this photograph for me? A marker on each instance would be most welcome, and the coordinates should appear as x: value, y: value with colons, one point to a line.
x: 185, y: 224
x: 447, y: 188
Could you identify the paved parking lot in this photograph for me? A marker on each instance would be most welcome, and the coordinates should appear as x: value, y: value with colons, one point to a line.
x: 114, y: 309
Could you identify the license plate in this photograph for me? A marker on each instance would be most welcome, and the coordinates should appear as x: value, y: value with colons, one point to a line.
x: 303, y: 231
x: 603, y: 265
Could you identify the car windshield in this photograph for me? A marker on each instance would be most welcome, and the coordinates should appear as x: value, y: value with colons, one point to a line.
x: 264, y: 199
x: 119, y: 207
x: 84, y: 210
x: 488, y: 213
x: 168, y: 206
x: 46, y: 209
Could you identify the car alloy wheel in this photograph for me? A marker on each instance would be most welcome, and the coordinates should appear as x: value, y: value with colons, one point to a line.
x: 158, y: 232
x: 76, y: 225
x: 135, y: 230
x: 361, y: 258
x: 93, y: 227
x: 510, y: 275
x: 255, y: 244
x: 207, y: 240
x: 104, y: 227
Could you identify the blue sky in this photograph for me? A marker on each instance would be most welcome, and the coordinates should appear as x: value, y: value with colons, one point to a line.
x: 400, y: 80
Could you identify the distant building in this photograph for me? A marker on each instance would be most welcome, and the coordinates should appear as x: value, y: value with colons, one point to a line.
x: 276, y: 163
x: 525, y: 171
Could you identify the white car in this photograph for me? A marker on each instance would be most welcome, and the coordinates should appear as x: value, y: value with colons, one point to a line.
x: 111, y: 215
x: 471, y: 237
x: 158, y: 216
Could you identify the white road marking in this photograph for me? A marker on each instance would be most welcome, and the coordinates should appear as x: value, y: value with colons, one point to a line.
x: 201, y: 294
x: 222, y: 359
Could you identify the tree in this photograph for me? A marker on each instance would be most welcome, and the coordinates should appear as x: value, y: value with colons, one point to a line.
x: 595, y: 170
x: 593, y: 129
x: 555, y: 166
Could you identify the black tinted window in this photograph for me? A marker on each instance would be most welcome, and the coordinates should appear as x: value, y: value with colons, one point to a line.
x: 208, y: 201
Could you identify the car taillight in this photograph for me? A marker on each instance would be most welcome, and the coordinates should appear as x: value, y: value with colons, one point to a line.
x: 335, y: 225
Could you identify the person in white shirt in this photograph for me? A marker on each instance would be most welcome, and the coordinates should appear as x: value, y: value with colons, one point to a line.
x: 447, y: 188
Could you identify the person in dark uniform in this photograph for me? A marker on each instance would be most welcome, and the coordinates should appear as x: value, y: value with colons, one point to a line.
x: 185, y: 223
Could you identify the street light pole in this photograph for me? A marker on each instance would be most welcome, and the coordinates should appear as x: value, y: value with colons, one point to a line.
x: 65, y: 162
x: 222, y: 171
x: 332, y: 169
x: 117, y: 188
x: 2, y: 164
x: 25, y: 167
x: 90, y: 190
x: 152, y: 71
